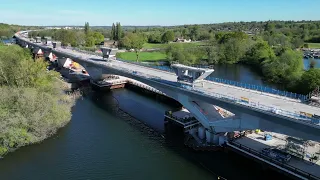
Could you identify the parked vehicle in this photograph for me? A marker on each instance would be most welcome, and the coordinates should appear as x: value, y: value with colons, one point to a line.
x: 277, y: 154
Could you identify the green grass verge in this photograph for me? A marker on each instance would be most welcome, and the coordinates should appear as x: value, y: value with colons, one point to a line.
x: 314, y: 45
x: 163, y: 46
x: 144, y: 56
x: 153, y: 46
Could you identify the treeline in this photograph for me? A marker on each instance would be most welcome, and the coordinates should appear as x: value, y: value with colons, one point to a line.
x: 32, y: 104
x: 276, y: 31
x: 74, y: 37
x: 280, y: 64
x: 7, y: 31
x: 307, y: 31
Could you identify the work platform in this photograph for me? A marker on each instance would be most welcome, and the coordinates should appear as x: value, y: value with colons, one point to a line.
x: 301, y: 162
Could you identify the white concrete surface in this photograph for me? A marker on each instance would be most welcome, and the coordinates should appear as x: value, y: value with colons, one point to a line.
x: 256, y: 98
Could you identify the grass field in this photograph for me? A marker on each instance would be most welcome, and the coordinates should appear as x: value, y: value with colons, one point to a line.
x: 163, y: 46
x: 144, y: 56
x: 314, y: 45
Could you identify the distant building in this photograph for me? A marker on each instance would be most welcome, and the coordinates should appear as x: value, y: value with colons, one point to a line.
x: 67, y: 27
x: 110, y: 43
x: 182, y: 40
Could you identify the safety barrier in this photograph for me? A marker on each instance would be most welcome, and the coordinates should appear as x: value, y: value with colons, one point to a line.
x: 284, y: 165
x: 265, y: 108
x: 83, y: 51
x: 163, y: 68
x: 251, y: 104
x: 260, y: 88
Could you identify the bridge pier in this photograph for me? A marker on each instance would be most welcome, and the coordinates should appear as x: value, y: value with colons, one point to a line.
x: 49, y: 56
x: 37, y: 53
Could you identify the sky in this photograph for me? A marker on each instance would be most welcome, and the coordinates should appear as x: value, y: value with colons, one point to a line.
x: 153, y: 12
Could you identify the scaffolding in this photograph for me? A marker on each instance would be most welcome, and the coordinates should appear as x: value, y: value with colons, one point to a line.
x: 296, y: 147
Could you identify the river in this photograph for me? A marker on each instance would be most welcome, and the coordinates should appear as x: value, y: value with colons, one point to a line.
x: 104, y: 142
x: 307, y: 62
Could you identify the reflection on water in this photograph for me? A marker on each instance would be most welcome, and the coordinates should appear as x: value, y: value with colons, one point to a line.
x: 241, y: 73
x: 307, y: 62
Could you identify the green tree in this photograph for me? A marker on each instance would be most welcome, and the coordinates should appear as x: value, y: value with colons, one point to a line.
x: 86, y: 28
x: 98, y: 37
x: 167, y: 36
x: 194, y: 32
x: 134, y: 41
x: 305, y: 35
x: 297, y: 42
x: 66, y: 37
x: 176, y: 52
x: 80, y: 38
x: 270, y: 26
x: 32, y: 106
x: 154, y: 37
x: 286, y: 68
x: 113, y: 32
x: 212, y: 49
x: 118, y: 31
x: 232, y: 51
x: 310, y: 80
x: 259, y: 52
x: 90, y: 41
x: 185, y: 33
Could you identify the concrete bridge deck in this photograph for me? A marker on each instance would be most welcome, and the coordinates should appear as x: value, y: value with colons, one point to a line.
x: 261, y: 110
x: 286, y: 106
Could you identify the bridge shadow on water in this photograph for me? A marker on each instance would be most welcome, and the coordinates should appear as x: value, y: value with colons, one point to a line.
x: 220, y: 163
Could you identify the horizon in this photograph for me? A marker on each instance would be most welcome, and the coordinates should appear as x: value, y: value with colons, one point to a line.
x: 295, y: 21
x: 153, y: 13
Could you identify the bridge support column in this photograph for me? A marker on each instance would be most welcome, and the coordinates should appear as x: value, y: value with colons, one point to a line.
x: 94, y: 71
x: 37, y: 53
x: 49, y: 55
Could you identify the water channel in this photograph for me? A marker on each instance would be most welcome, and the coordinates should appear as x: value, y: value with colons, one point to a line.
x: 120, y: 135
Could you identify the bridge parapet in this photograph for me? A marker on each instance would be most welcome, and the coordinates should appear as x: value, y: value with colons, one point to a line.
x: 263, y: 89
x: 297, y: 116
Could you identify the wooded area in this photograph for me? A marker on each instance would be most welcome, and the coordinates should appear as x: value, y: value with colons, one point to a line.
x: 33, y: 105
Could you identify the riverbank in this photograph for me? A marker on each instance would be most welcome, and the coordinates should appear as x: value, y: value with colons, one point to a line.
x: 37, y: 116
x: 33, y: 103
